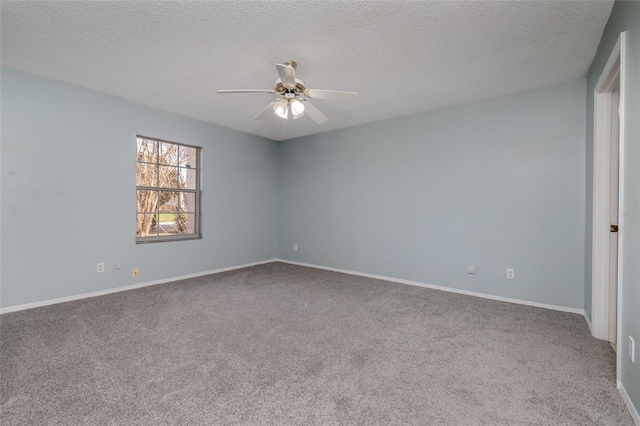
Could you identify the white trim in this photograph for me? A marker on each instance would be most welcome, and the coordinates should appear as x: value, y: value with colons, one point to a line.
x: 627, y: 400
x: 604, y: 81
x: 601, y: 191
x: 309, y: 265
x: 126, y: 287
x: 438, y: 287
x: 621, y: 206
x: 586, y: 318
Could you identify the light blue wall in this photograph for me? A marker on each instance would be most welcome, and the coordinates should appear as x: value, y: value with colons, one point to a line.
x: 68, y: 192
x: 625, y: 16
x: 500, y: 183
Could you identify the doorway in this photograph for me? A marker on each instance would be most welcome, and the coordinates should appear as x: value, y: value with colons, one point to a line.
x: 608, y: 204
x: 614, y: 212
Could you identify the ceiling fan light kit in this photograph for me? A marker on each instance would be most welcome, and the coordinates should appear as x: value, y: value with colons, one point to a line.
x: 294, y: 96
x: 281, y: 108
x: 297, y: 109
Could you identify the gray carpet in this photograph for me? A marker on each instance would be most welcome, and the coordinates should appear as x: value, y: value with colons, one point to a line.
x: 282, y: 344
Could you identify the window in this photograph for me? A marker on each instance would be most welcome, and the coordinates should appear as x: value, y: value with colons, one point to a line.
x: 167, y: 191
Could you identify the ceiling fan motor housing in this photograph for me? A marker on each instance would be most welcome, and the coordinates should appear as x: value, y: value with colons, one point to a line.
x: 299, y: 88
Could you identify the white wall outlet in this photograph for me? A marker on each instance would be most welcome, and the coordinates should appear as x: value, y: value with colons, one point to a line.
x: 117, y: 266
x: 511, y: 275
x: 632, y: 349
x: 100, y: 267
x: 295, y: 247
x: 134, y: 273
x: 471, y: 268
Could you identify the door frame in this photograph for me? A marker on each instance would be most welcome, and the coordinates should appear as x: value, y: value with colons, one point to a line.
x: 600, y: 303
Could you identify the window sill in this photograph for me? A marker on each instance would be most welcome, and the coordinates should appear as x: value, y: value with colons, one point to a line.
x: 147, y: 240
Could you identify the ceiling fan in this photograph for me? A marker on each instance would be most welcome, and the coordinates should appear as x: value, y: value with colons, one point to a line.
x: 294, y: 96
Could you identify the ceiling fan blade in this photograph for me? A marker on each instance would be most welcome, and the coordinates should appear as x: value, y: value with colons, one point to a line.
x: 314, y: 113
x: 335, y: 95
x: 265, y: 111
x: 270, y: 91
x: 287, y: 75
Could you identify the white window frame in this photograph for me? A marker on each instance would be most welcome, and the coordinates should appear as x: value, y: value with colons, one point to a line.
x: 197, y: 192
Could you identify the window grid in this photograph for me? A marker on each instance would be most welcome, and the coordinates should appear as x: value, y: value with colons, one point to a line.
x: 182, y: 190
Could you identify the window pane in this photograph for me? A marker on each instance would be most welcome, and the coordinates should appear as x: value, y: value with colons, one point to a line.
x: 187, y: 223
x: 174, y: 224
x: 146, y: 225
x: 188, y: 157
x: 187, y: 202
x: 187, y: 178
x: 168, y: 177
x: 168, y: 202
x: 168, y: 153
x: 146, y: 174
x: 147, y: 150
x: 169, y: 223
x: 147, y: 201
x: 167, y: 228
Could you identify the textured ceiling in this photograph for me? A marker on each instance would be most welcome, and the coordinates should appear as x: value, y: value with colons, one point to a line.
x: 401, y: 57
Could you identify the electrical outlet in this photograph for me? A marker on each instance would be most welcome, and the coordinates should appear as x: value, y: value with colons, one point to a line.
x: 134, y: 272
x: 100, y: 267
x: 295, y: 247
x: 511, y: 275
x: 117, y: 266
x: 471, y: 268
x: 632, y: 349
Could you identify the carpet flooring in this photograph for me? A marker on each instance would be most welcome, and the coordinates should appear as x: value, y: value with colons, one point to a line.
x: 278, y: 344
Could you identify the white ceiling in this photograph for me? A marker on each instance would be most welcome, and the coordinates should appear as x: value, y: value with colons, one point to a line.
x: 401, y: 57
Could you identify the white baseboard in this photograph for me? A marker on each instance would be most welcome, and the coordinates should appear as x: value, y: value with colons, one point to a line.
x: 586, y: 318
x: 438, y: 287
x: 632, y: 409
x: 126, y: 287
x: 344, y: 271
